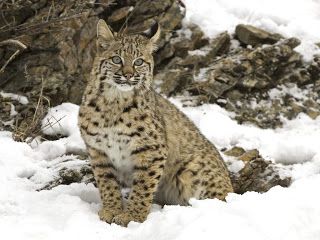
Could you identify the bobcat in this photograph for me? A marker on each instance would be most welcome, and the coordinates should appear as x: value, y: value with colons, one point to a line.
x: 137, y: 139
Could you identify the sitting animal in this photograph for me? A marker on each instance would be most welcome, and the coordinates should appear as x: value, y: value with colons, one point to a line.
x: 137, y: 139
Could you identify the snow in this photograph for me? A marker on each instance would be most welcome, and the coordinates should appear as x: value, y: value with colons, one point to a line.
x: 291, y: 18
x: 63, y: 120
x: 21, y: 99
x: 296, y: 142
x: 69, y: 211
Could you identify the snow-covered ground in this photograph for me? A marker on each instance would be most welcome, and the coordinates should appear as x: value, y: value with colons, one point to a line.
x: 70, y: 211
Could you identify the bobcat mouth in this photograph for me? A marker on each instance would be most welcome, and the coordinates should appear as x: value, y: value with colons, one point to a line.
x: 125, y: 82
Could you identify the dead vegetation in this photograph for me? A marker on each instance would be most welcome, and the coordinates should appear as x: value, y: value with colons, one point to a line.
x: 31, y: 127
x: 18, y: 16
x: 12, y: 42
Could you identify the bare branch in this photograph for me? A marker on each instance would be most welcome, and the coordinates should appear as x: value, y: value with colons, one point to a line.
x: 11, y: 42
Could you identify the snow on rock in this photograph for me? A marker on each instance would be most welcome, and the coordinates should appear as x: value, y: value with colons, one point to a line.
x: 291, y: 18
x: 296, y: 142
x: 291, y: 90
x: 21, y: 99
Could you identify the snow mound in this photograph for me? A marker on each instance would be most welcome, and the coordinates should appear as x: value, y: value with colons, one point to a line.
x: 62, y: 119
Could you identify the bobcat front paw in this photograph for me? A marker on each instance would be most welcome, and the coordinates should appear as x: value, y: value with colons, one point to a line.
x: 107, y: 215
x: 124, y: 218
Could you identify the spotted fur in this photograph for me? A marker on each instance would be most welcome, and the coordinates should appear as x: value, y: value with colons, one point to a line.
x: 138, y: 139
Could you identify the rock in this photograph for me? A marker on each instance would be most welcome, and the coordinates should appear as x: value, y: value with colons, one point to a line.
x: 54, y: 53
x: 267, y: 111
x: 258, y: 174
x: 313, y: 113
x: 74, y: 172
x: 235, y: 152
x: 219, y: 45
x: 220, y: 78
x: 314, y: 69
x: 212, y: 89
x: 197, y: 37
x: 300, y: 76
x: 169, y: 18
x: 13, y: 111
x: 250, y: 71
x: 69, y: 176
x: 265, y: 67
x: 253, y: 36
x: 6, y: 118
x: 249, y: 155
x: 120, y: 14
x: 175, y: 81
x: 184, y: 40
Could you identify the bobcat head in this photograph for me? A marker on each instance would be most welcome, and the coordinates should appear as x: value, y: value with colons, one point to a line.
x: 125, y: 62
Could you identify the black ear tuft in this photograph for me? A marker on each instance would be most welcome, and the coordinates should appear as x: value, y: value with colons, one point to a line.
x: 153, y: 33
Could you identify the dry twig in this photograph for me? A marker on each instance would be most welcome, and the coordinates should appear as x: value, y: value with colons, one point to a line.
x: 32, y: 128
x: 11, y: 42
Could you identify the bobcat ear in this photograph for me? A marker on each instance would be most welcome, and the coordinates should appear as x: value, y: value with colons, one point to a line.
x: 103, y: 31
x: 155, y: 32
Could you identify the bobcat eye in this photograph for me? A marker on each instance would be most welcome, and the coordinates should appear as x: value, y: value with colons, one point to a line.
x: 116, y: 59
x: 138, y: 62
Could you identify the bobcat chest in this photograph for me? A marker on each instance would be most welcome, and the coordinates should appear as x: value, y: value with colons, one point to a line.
x: 119, y: 153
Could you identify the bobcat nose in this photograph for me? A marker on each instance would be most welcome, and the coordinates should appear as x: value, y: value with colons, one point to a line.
x: 127, y: 72
x: 128, y: 75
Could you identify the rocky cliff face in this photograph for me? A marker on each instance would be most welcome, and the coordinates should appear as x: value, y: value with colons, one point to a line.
x: 59, y: 36
x: 243, y: 73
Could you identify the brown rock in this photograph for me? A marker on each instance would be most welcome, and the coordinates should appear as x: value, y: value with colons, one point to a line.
x: 253, y: 36
x: 258, y: 175
x: 313, y: 113
x: 174, y: 81
x: 69, y: 176
x: 219, y: 45
x: 235, y: 152
x: 314, y: 70
x: 120, y: 14
x: 197, y: 37
x: 249, y: 155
